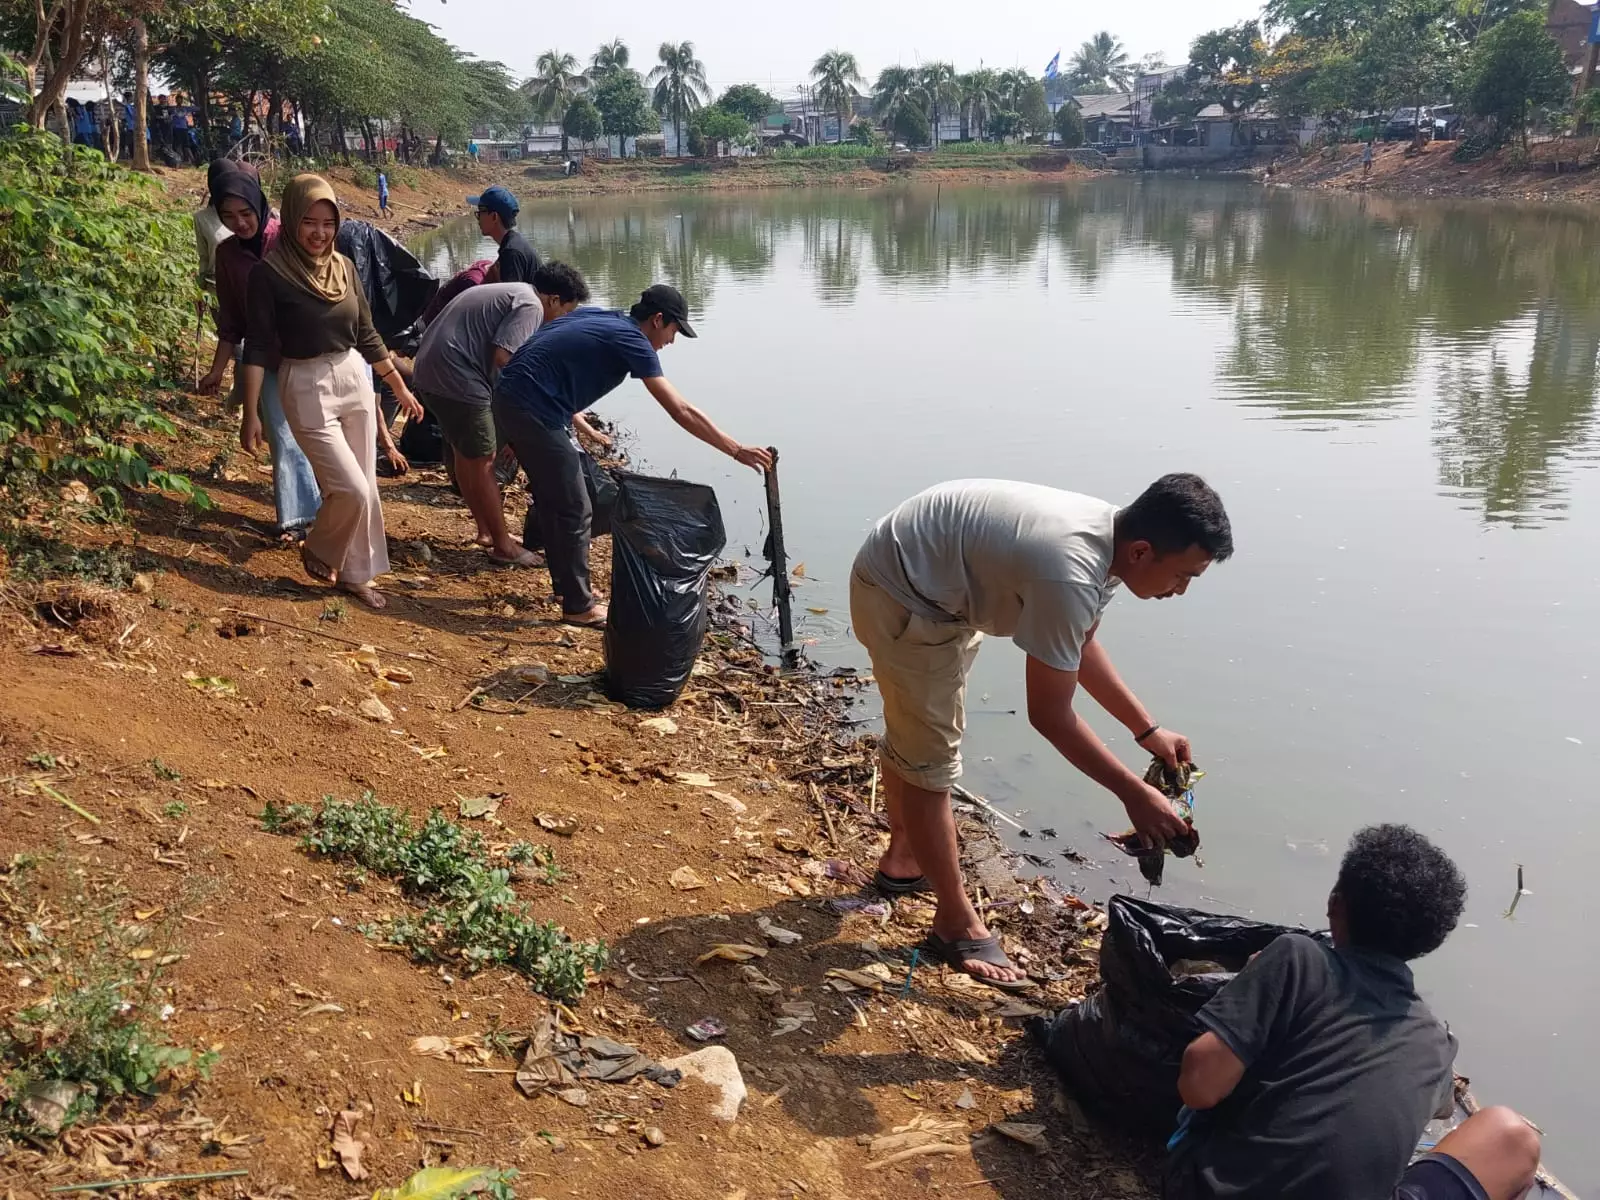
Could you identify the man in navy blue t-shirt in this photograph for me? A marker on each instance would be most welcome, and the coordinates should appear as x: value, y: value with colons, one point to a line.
x: 558, y: 373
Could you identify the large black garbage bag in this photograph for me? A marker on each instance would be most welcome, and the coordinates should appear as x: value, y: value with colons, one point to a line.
x: 1120, y: 1050
x: 602, y: 488
x: 396, y: 285
x: 665, y: 535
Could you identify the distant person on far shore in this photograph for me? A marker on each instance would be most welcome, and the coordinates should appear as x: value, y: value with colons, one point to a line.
x: 497, y: 219
x: 383, y: 194
x: 1319, y: 1066
x: 558, y: 374
x: 1366, y: 159
x: 461, y: 355
x: 1039, y: 566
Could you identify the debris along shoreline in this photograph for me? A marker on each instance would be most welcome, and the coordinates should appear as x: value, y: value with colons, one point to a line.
x: 718, y: 848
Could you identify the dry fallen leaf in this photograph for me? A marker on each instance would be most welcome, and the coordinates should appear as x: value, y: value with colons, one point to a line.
x: 732, y: 952
x: 693, y: 778
x: 776, y: 934
x: 374, y: 709
x: 1029, y: 1135
x: 466, y: 1049
x: 758, y: 982
x: 685, y: 879
x: 734, y: 804
x: 346, y: 1146
x: 560, y: 826
x: 479, y: 806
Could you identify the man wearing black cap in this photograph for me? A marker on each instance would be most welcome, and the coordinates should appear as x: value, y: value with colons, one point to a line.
x: 497, y: 219
x: 558, y: 373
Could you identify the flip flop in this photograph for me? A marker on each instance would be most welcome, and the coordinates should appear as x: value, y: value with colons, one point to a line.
x: 953, y: 954
x: 889, y: 885
x: 597, y: 624
x: 525, y: 559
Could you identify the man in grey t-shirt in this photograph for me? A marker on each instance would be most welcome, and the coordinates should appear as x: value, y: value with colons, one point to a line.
x: 460, y: 355
x: 1037, y: 565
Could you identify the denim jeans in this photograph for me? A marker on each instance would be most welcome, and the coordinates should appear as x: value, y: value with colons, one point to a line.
x: 294, y: 487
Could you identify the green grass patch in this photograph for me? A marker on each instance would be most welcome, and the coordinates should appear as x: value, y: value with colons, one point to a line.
x: 93, y: 1031
x: 466, y: 911
x: 35, y: 560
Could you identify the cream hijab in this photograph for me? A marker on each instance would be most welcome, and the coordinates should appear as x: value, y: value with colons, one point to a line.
x: 327, y: 276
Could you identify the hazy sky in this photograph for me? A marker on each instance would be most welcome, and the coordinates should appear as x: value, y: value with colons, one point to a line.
x: 774, y: 44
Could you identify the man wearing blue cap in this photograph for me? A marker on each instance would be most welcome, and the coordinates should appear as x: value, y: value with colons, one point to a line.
x: 497, y: 219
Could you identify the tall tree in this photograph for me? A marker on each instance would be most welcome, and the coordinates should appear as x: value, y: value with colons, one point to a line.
x: 837, y: 76
x: 1100, y: 62
x: 556, y: 83
x: 1224, y: 66
x: 624, y: 106
x: 937, y: 81
x: 582, y: 120
x: 1515, y: 66
x: 895, y: 91
x: 611, y: 56
x: 980, y: 100
x: 681, y: 86
x: 749, y: 101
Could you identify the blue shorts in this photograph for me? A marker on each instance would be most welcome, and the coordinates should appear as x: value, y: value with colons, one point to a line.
x: 1439, y: 1177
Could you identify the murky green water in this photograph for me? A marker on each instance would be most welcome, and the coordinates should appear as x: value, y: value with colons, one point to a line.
x: 1398, y: 402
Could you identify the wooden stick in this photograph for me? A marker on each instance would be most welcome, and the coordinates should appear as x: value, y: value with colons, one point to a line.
x: 467, y: 699
x: 781, y: 592
x: 974, y: 798
x: 872, y: 801
x: 55, y: 795
x: 103, y: 1184
x: 461, y: 1129
x: 827, y: 817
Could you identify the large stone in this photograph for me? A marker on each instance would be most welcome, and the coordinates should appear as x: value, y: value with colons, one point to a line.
x: 716, y: 1066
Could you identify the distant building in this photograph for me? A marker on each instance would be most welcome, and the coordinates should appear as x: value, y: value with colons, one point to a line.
x: 1107, y: 119
x: 1569, y: 22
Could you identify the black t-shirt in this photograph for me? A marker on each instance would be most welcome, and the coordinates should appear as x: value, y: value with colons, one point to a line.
x: 518, y: 262
x: 1344, y: 1066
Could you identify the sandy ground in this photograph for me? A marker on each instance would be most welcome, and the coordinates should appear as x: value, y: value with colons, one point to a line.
x: 265, y: 935
x: 1434, y: 172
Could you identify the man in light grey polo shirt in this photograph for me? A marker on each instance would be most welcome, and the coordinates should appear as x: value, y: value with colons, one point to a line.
x: 461, y: 353
x: 1037, y: 565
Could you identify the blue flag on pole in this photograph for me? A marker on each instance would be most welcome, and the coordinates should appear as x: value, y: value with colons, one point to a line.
x: 1053, y: 68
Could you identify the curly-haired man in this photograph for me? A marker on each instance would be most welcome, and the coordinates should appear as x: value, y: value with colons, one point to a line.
x: 1320, y: 1066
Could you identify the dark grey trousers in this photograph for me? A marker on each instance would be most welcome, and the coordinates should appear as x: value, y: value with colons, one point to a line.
x: 560, y: 498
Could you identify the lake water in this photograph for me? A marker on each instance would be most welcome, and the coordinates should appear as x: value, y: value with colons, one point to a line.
x: 1398, y: 403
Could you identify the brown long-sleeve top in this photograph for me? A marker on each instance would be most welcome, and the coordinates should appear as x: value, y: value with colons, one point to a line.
x: 301, y: 325
x: 234, y: 264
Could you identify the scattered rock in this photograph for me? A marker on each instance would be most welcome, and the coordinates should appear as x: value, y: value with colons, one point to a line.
x: 686, y: 879
x: 374, y: 709
x: 965, y: 1100
x: 716, y: 1066
x: 661, y: 725
x: 653, y: 1137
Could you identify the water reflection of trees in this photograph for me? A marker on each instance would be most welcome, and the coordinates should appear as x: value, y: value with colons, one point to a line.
x: 1339, y: 310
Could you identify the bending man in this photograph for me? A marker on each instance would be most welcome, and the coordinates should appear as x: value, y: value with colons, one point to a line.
x: 461, y: 353
x: 1039, y: 566
x: 560, y: 373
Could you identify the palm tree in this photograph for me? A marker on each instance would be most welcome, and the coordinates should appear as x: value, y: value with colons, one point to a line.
x: 1102, y: 62
x: 937, y: 82
x: 837, y: 74
x: 1012, y: 84
x: 680, y: 80
x: 980, y: 98
x: 556, y: 83
x: 895, y: 91
x: 612, y: 56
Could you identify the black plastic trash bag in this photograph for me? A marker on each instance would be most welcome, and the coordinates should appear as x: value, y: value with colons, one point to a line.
x: 396, y: 285
x: 1120, y: 1050
x: 602, y: 487
x: 665, y: 535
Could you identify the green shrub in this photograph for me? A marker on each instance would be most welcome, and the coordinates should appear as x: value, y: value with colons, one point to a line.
x: 97, y: 299
x: 826, y: 150
x: 472, y: 915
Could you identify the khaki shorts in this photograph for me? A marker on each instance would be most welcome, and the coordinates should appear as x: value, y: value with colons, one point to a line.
x: 921, y: 668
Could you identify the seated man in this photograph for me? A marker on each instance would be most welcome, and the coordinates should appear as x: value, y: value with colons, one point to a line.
x: 457, y: 364
x: 1320, y: 1066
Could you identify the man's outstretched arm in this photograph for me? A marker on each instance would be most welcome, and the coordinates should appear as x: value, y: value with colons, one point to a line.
x: 1210, y: 1072
x: 1050, y: 711
x: 1100, y: 679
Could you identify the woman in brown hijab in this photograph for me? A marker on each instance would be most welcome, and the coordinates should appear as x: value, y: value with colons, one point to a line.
x: 304, y: 298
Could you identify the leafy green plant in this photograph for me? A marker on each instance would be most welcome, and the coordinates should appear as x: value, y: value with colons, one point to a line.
x: 162, y: 771
x: 96, y: 295
x: 44, y: 760
x: 174, y: 809
x: 96, y: 1028
x: 468, y: 911
x: 333, y: 610
x: 36, y: 559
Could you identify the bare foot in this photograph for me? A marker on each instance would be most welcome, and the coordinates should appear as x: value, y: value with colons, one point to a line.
x: 593, y: 619
x: 366, y: 593
x: 316, y: 568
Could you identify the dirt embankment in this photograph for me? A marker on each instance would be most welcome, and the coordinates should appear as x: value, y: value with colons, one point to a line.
x: 143, y: 731
x: 1563, y: 170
